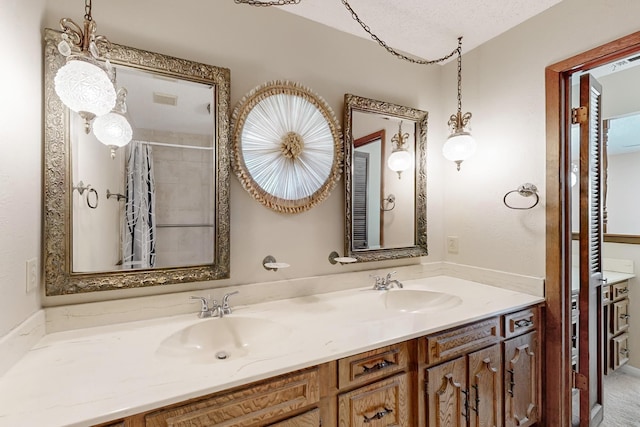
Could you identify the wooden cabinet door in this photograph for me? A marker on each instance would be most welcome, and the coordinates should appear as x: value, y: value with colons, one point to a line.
x: 620, y: 313
x: 446, y: 385
x: 521, y: 388
x: 382, y: 404
x: 485, y: 387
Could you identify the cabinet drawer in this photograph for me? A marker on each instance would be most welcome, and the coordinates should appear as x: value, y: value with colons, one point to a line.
x: 371, y: 365
x: 520, y: 322
x: 455, y: 342
x: 619, y: 351
x: 620, y: 316
x: 308, y: 419
x: 619, y: 290
x: 381, y: 404
x: 244, y: 407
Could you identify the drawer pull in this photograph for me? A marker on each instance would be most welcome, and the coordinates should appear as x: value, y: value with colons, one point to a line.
x: 378, y: 366
x: 624, y: 316
x: 378, y: 415
x: 623, y: 291
x: 511, y: 382
x: 624, y: 352
x: 523, y: 323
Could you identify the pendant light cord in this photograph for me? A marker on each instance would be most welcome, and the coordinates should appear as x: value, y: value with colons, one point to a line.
x: 87, y: 10
x: 459, y: 50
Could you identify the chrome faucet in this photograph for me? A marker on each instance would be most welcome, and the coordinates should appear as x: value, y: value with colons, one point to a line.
x: 385, y: 283
x: 208, y: 307
x: 211, y: 308
x: 226, y: 308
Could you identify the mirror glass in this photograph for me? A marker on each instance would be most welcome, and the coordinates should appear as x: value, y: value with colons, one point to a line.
x: 385, y: 199
x: 157, y: 211
x: 153, y: 202
x: 621, y: 135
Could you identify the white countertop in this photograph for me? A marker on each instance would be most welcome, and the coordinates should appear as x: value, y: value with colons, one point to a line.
x: 611, y: 276
x: 89, y: 376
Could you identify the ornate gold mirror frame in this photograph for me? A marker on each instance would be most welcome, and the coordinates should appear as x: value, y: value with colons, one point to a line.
x: 353, y: 104
x: 59, y: 277
x: 287, y: 147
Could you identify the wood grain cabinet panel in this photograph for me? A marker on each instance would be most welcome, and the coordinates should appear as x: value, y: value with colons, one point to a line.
x: 381, y: 404
x: 620, y: 319
x: 619, y: 351
x: 485, y: 387
x: 459, y: 341
x: 446, y: 385
x: 371, y: 365
x: 252, y: 406
x: 521, y: 381
x: 308, y: 419
x: 520, y: 322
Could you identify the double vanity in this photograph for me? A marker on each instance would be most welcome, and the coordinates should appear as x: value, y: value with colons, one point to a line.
x: 440, y: 347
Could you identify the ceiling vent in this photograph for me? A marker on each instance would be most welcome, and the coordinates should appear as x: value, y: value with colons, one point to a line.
x: 164, y: 99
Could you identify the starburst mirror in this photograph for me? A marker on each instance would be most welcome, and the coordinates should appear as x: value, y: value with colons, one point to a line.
x: 287, y: 149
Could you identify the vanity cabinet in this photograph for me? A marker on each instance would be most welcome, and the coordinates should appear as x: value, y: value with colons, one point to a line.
x: 485, y: 373
x: 616, y: 317
x: 256, y: 405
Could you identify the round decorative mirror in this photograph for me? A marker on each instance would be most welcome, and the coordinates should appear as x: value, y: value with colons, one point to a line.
x: 287, y: 150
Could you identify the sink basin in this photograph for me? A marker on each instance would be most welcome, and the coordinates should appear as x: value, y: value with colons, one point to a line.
x: 418, y: 301
x: 227, y: 338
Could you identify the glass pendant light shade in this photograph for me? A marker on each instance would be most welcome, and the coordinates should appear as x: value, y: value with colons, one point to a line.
x: 114, y: 130
x: 85, y: 88
x: 459, y: 147
x: 400, y: 160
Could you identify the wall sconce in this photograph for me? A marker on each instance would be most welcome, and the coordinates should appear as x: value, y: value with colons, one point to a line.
x: 460, y: 145
x: 113, y: 129
x: 84, y: 84
x: 400, y: 158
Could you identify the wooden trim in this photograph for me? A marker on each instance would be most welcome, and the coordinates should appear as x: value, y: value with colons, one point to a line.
x: 557, y: 358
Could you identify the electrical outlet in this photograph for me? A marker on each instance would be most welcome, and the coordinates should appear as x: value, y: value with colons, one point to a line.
x: 452, y: 244
x: 32, y: 275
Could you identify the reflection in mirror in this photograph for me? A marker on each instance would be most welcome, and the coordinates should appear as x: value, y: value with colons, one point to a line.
x: 164, y: 176
x: 385, y: 204
x: 158, y: 211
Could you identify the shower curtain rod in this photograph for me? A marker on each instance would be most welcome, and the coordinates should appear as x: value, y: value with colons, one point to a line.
x: 164, y: 144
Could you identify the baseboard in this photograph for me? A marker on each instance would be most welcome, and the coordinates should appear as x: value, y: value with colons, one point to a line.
x: 20, y: 340
x: 630, y: 370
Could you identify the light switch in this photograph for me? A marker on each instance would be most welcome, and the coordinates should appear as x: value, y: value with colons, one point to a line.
x: 452, y: 244
x: 32, y: 275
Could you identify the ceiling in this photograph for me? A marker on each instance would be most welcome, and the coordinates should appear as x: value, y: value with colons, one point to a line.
x: 426, y: 29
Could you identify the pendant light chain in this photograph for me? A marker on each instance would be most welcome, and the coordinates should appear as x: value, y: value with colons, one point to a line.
x: 267, y: 3
x: 87, y: 10
x: 391, y: 50
x: 459, y: 50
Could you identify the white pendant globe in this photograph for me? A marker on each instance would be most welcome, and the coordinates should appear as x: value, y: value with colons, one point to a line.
x: 459, y: 147
x: 85, y: 88
x: 400, y: 160
x: 113, y: 130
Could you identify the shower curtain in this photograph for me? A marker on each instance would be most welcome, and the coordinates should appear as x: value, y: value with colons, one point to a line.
x: 139, y: 228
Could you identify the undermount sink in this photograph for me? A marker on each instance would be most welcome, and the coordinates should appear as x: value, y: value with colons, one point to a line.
x: 418, y: 301
x: 224, y: 338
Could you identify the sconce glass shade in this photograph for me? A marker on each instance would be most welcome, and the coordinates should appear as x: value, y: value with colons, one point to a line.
x: 113, y: 130
x: 459, y: 147
x: 400, y: 160
x: 85, y: 88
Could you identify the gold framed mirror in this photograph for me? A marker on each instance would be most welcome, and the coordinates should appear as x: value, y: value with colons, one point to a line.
x: 179, y: 112
x: 287, y: 147
x: 385, y: 193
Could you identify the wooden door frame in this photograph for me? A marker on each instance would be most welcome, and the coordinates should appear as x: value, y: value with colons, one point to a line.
x: 557, y: 335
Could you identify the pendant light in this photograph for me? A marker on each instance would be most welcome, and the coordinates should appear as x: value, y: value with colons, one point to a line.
x: 400, y: 159
x: 113, y: 129
x: 85, y: 83
x: 460, y: 145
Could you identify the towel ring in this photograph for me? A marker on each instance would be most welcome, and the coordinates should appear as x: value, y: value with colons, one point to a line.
x: 525, y: 190
x: 89, y: 192
x: 389, y: 200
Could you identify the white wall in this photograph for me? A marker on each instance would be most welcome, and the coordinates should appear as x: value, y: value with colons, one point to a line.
x: 21, y: 159
x: 503, y: 86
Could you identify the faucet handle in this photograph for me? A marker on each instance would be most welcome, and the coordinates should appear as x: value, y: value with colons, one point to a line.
x: 204, y: 305
x: 226, y: 308
x: 390, y: 274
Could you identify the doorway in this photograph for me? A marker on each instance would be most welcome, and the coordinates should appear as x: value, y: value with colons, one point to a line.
x: 559, y: 377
